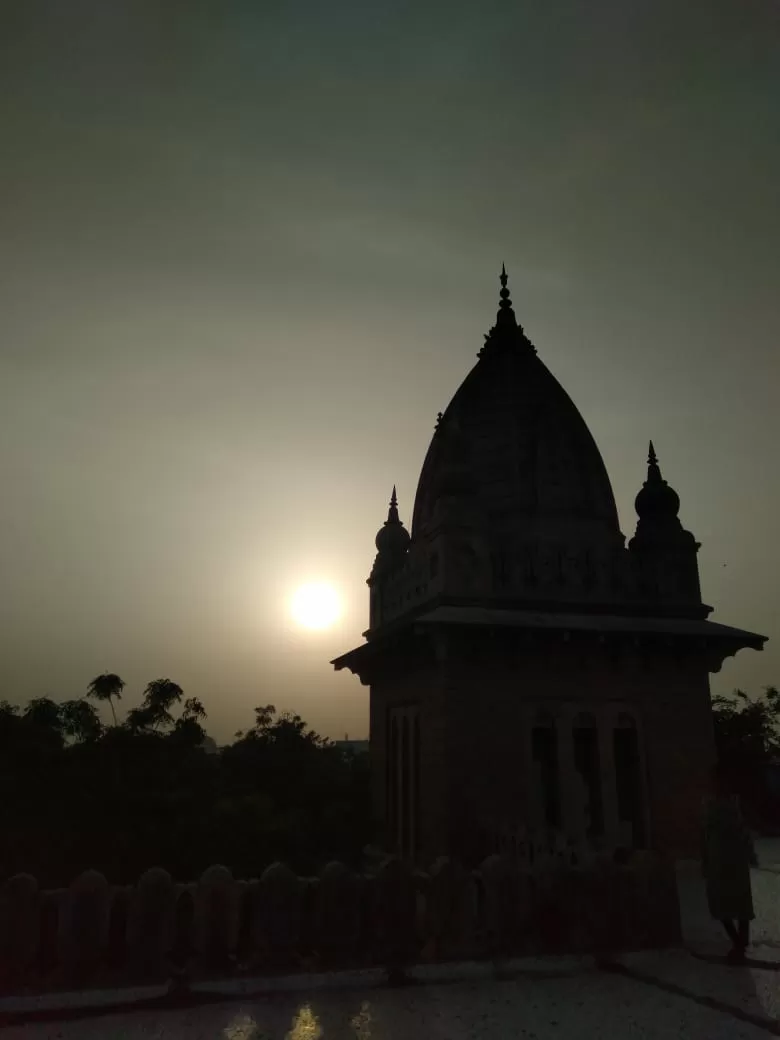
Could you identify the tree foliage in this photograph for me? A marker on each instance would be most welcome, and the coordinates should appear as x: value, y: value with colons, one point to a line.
x: 747, y: 736
x: 75, y: 794
x: 748, y: 729
x: 106, y: 687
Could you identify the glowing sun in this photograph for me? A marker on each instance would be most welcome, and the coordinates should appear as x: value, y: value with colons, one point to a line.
x: 315, y: 606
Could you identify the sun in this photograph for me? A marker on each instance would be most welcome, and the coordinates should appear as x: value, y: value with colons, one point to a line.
x: 315, y: 606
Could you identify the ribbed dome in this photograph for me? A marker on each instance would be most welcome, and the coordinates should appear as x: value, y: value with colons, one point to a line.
x: 533, y: 465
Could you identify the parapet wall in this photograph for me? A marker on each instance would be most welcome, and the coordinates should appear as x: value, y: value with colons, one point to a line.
x: 97, y: 934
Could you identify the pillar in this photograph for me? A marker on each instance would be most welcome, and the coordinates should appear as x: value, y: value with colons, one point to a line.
x: 572, y: 819
x: 606, y: 724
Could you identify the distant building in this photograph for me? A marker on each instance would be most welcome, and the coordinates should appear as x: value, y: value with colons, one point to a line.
x: 352, y: 747
x: 527, y: 668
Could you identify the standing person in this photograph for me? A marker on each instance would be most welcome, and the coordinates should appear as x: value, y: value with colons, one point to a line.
x: 727, y: 856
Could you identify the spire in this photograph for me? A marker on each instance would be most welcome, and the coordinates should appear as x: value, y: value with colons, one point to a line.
x: 392, y: 539
x: 506, y: 316
x: 656, y: 499
x: 507, y: 331
x: 392, y: 513
x: 653, y: 469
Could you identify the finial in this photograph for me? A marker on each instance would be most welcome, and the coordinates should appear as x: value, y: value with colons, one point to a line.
x: 392, y: 513
x: 656, y: 500
x: 507, y: 332
x: 505, y: 312
x: 653, y: 469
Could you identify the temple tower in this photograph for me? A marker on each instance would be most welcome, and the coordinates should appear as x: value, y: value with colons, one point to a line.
x: 528, y: 670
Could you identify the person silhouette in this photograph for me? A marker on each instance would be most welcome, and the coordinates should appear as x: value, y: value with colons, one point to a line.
x: 727, y: 855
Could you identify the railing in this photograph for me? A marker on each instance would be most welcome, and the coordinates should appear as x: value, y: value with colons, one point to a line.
x: 96, y: 934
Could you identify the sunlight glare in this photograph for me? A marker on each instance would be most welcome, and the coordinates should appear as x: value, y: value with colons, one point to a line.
x: 316, y: 606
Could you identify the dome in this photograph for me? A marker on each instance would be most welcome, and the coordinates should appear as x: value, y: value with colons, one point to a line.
x: 520, y: 446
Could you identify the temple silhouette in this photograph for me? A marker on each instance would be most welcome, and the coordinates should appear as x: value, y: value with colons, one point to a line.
x: 529, y: 671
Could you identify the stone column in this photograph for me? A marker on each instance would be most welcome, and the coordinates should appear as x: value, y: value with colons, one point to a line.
x: 534, y: 805
x: 606, y: 722
x: 394, y: 781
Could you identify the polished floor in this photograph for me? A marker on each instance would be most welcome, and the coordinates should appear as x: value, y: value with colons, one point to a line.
x: 718, y: 1002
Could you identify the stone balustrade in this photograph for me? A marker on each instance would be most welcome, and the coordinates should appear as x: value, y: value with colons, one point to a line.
x: 97, y: 934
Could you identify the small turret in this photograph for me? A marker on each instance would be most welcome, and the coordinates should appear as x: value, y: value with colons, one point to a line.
x: 392, y: 545
x: 657, y: 504
x: 392, y: 538
x: 663, y: 551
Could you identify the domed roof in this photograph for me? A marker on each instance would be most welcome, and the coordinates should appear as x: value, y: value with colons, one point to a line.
x: 534, y: 467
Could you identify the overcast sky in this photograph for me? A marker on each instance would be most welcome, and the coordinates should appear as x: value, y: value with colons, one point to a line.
x: 249, y: 250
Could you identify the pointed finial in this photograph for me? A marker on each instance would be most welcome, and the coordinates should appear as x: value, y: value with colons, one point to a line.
x: 392, y: 538
x: 392, y: 513
x: 656, y: 499
x: 653, y: 469
x: 505, y: 313
x: 507, y: 331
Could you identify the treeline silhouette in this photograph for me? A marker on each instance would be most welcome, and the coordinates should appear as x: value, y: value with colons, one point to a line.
x: 149, y: 791
x: 747, y: 739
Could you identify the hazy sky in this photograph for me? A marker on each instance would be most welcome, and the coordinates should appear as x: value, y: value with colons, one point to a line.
x: 249, y: 250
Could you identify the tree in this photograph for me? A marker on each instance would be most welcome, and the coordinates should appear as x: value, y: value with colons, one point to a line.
x: 280, y: 792
x: 264, y: 720
x: 188, y: 726
x: 80, y: 720
x: 159, y: 697
x: 154, y: 712
x: 44, y: 713
x: 193, y: 709
x: 105, y: 687
x: 747, y: 737
x: 42, y: 724
x: 9, y: 722
x: 747, y: 731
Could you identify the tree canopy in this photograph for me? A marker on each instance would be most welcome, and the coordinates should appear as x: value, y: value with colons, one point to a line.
x: 747, y: 737
x: 148, y: 791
